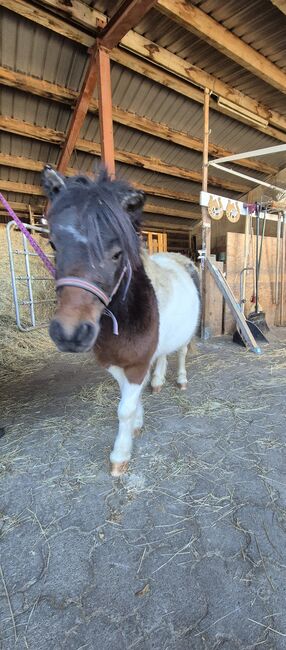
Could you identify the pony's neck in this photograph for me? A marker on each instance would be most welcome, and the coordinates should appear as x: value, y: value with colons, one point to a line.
x: 132, y: 309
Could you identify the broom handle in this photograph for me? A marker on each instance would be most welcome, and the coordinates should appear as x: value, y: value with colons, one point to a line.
x: 283, y: 269
x: 256, y: 259
x: 245, y: 260
x: 261, y: 243
x: 278, y: 237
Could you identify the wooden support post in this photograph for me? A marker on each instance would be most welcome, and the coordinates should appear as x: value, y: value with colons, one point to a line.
x: 105, y: 109
x: 31, y: 215
x: 282, y: 294
x: 206, y: 225
x: 277, y: 264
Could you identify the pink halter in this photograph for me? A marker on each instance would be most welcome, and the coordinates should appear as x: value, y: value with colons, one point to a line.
x: 73, y: 281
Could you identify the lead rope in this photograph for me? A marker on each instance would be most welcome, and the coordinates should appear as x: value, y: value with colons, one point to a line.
x: 31, y: 239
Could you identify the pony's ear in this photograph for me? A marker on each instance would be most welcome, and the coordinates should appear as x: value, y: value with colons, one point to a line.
x: 132, y: 201
x: 53, y: 182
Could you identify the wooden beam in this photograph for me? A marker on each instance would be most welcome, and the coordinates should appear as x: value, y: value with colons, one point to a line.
x: 36, y: 190
x: 206, y: 228
x: 133, y: 121
x: 79, y: 113
x: 172, y: 226
x: 87, y: 17
x: 170, y: 80
x: 128, y: 16
x: 99, y: 67
x: 166, y: 193
x: 11, y: 125
x: 105, y: 109
x: 157, y: 165
x: 144, y: 162
x: 17, y: 207
x: 152, y: 51
x: 170, y: 212
x: 280, y: 4
x: 222, y: 39
x: 22, y: 188
x: 168, y: 223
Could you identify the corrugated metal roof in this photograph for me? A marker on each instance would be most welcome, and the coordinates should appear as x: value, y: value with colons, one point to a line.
x: 183, y: 43
x: 254, y: 22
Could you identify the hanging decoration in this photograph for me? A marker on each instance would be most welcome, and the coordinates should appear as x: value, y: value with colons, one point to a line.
x: 215, y: 208
x: 232, y: 211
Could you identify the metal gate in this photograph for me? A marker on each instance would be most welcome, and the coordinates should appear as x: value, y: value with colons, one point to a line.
x: 32, y: 286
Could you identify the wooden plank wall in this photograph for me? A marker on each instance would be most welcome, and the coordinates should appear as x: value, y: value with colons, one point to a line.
x: 234, y: 264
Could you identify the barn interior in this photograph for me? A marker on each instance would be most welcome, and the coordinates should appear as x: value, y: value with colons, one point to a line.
x: 187, y: 549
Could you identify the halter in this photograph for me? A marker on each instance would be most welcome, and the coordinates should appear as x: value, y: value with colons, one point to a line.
x: 73, y: 281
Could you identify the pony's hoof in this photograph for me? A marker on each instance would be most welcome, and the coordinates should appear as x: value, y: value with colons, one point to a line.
x: 137, y: 432
x: 117, y: 469
x: 156, y: 389
x: 183, y: 386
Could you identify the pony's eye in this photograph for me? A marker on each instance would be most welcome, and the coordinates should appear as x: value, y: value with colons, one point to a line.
x: 116, y: 256
x: 52, y: 245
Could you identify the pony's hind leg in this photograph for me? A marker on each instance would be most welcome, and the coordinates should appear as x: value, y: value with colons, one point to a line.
x: 182, y: 375
x: 159, y: 374
x: 139, y: 418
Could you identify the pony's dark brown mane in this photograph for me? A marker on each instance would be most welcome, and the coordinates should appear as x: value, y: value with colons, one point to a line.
x: 104, y: 214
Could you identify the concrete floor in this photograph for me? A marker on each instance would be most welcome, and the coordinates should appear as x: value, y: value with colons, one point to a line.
x: 185, y: 552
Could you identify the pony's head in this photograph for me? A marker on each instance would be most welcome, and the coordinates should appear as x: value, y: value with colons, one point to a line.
x: 94, y: 233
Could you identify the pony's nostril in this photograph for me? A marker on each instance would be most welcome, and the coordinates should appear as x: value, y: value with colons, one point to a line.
x: 56, y: 331
x: 77, y: 340
x: 84, y: 333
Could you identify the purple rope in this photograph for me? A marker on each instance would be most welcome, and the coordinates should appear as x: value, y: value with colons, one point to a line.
x: 27, y: 234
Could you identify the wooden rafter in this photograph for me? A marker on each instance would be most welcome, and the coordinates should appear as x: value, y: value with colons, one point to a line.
x: 86, y: 17
x: 128, y: 16
x: 163, y: 223
x: 79, y: 113
x: 144, y: 162
x: 149, y: 190
x: 208, y: 29
x: 281, y: 5
x: 125, y: 18
x: 36, y: 190
x: 129, y: 119
x: 105, y: 109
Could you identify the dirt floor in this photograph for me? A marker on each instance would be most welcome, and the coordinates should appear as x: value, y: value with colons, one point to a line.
x: 185, y: 552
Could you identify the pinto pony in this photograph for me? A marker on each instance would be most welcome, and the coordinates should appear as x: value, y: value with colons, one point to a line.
x: 130, y: 308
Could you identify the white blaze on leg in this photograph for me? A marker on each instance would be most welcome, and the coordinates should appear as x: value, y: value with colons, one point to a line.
x: 130, y: 395
x: 139, y: 416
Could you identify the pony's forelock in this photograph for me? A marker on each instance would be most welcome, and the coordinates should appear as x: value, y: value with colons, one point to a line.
x: 99, y: 206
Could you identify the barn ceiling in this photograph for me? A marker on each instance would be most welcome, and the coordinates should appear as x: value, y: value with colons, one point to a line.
x: 44, y: 53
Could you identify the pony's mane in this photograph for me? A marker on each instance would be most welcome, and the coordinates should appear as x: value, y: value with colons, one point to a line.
x: 99, y: 206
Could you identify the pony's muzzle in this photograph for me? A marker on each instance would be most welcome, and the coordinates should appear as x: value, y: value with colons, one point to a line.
x: 80, y: 338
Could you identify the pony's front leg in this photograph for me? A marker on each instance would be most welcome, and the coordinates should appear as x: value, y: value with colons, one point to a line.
x: 127, y: 410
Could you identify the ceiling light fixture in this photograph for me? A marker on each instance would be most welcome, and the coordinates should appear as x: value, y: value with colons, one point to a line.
x: 235, y: 109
